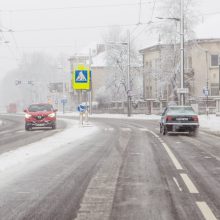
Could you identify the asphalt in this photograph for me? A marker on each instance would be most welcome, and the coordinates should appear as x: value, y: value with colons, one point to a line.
x: 127, y: 170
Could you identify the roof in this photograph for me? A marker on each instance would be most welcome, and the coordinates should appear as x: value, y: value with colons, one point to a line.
x: 200, y: 40
x: 99, y: 60
x: 155, y: 47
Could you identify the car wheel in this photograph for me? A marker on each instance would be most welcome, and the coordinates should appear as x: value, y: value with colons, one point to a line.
x: 54, y: 126
x: 160, y: 129
x: 164, y: 130
x: 27, y: 128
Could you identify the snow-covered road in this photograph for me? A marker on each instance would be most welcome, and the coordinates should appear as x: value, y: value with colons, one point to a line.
x: 25, y: 154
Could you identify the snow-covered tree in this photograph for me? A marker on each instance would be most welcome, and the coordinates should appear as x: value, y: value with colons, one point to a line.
x: 116, y: 41
x: 168, y: 29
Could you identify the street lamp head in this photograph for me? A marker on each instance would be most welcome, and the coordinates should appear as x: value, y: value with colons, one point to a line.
x: 117, y: 43
x: 175, y: 19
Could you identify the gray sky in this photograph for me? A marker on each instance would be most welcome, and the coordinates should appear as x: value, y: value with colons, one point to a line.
x: 70, y: 26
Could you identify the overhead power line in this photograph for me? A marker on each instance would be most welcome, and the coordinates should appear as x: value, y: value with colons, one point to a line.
x: 68, y: 28
x: 145, y: 28
x: 76, y: 7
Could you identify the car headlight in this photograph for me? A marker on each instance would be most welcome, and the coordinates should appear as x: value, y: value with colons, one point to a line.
x: 52, y: 115
x: 27, y: 115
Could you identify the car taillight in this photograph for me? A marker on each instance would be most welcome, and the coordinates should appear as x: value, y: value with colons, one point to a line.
x: 195, y: 118
x: 169, y: 118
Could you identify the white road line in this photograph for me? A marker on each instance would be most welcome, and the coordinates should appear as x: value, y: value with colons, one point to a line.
x: 125, y: 129
x: 191, y: 187
x: 21, y: 131
x: 206, y: 211
x: 155, y: 135
x: 108, y: 129
x: 178, y: 185
x: 143, y: 129
x: 172, y: 157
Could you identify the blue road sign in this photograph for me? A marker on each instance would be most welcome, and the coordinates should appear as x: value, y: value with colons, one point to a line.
x: 81, y: 108
x: 81, y: 76
x: 63, y: 101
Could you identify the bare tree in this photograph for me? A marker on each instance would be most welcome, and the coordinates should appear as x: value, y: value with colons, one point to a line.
x: 169, y: 34
x: 117, y: 62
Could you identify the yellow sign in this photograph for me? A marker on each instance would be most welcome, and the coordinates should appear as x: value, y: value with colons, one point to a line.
x: 81, y: 78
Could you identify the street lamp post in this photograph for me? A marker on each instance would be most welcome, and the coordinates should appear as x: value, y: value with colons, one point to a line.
x: 128, y: 77
x: 181, y: 20
x: 182, y: 98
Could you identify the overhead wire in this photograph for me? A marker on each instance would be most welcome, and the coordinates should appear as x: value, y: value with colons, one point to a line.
x: 74, y: 7
x: 13, y: 54
x: 147, y: 24
x: 69, y: 28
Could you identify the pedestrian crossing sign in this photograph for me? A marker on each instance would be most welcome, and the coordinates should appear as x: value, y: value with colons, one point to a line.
x: 81, y: 78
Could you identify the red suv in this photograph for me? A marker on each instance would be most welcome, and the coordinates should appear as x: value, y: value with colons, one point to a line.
x: 40, y: 115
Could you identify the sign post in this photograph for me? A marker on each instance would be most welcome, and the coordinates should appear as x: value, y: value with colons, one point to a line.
x: 81, y: 109
x: 81, y: 80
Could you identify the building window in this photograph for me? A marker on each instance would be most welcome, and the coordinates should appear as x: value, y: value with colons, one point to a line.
x: 214, y: 60
x: 214, y: 89
x: 189, y: 63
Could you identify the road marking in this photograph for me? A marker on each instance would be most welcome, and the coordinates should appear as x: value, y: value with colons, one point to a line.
x: 172, y: 157
x: 191, y: 187
x: 155, y: 135
x: 20, y: 131
x: 178, y: 185
x: 206, y: 211
x: 143, y: 129
x: 125, y: 129
x: 109, y: 129
x: 170, y: 153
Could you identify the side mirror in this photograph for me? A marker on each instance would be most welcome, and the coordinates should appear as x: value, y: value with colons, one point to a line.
x: 25, y: 110
x: 55, y: 110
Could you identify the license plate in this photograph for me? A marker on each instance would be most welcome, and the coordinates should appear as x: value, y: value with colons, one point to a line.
x: 39, y: 125
x: 182, y: 119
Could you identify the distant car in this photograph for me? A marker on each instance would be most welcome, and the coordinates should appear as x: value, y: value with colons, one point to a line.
x: 12, y: 108
x: 40, y: 115
x: 179, y: 119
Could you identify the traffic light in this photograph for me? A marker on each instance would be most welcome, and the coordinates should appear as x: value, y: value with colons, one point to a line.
x: 30, y: 82
x: 17, y: 82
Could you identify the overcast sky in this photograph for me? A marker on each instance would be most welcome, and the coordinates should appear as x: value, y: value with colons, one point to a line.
x: 70, y: 26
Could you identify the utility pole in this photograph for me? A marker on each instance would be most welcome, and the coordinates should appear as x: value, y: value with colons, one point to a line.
x: 128, y: 76
x: 90, y: 92
x: 207, y: 84
x: 182, y: 98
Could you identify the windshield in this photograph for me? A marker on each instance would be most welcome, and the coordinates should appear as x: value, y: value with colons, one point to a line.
x: 39, y: 108
x: 181, y: 111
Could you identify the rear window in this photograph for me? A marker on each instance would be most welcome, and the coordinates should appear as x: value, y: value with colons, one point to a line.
x: 40, y: 108
x: 181, y: 111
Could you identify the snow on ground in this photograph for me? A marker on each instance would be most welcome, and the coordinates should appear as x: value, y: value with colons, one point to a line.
x: 22, y: 155
x: 210, y: 123
x: 116, y: 116
x: 75, y: 132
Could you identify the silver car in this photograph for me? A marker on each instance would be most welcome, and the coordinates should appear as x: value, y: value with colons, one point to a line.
x: 179, y: 119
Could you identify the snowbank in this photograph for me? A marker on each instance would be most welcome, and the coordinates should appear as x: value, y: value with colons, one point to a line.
x: 210, y: 123
x: 73, y: 133
x: 116, y: 116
